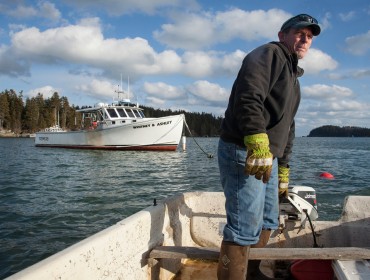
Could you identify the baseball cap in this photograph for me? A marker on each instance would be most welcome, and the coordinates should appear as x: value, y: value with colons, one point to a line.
x: 302, y: 21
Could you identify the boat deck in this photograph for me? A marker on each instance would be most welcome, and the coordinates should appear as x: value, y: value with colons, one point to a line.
x: 197, y: 269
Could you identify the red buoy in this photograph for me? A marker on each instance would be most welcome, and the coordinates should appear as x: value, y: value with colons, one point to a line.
x: 326, y: 175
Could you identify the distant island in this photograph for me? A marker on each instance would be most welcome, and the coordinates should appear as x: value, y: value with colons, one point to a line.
x: 336, y: 131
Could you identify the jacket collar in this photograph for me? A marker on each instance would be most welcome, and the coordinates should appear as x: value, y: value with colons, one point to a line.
x: 293, y: 58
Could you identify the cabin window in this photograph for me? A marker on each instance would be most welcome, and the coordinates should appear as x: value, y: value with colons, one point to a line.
x: 137, y: 114
x: 122, y: 113
x: 100, y: 116
x: 130, y: 113
x: 112, y: 113
x: 142, y: 114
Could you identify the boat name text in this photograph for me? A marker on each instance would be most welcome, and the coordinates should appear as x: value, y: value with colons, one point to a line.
x: 153, y: 124
x: 44, y: 138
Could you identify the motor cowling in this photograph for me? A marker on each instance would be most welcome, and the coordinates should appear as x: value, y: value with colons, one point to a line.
x: 306, y: 193
x: 301, y: 202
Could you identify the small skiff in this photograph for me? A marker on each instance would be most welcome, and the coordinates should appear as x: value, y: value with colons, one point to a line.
x: 157, y: 242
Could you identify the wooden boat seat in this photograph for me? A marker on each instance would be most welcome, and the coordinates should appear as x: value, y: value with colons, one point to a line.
x: 337, y: 253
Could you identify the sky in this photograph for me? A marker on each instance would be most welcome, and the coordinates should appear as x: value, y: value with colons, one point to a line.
x: 182, y: 54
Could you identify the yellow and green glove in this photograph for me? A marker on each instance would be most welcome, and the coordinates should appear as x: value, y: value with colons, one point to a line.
x: 283, y: 175
x: 259, y: 158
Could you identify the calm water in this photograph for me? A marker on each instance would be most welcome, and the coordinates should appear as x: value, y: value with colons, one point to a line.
x: 52, y: 198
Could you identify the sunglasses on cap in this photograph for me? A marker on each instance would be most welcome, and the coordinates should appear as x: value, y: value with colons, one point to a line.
x: 300, y: 18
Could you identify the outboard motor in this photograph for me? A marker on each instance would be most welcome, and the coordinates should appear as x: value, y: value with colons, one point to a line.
x: 301, y: 204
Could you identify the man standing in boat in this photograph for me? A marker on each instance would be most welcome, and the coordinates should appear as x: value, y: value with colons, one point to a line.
x: 256, y: 143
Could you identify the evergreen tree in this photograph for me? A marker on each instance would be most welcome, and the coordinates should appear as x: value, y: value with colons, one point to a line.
x: 4, y: 112
x: 41, y: 123
x: 32, y: 113
x: 15, y: 111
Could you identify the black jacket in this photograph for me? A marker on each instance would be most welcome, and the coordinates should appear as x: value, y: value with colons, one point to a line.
x: 264, y: 99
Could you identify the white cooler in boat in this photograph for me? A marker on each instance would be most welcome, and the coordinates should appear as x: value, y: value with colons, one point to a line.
x: 351, y: 270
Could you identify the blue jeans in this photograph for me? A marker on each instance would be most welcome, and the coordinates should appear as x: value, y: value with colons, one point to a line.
x: 250, y: 205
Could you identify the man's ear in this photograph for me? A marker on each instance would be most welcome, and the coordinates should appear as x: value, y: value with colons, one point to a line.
x: 281, y: 36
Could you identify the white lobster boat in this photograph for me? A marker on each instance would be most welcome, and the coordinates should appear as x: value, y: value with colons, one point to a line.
x: 157, y: 242
x: 119, y: 126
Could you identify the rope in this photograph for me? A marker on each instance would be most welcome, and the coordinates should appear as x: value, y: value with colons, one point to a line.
x: 315, y: 245
x: 208, y: 155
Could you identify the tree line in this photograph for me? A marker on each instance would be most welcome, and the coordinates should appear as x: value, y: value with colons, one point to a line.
x: 200, y: 124
x: 336, y: 131
x: 37, y: 113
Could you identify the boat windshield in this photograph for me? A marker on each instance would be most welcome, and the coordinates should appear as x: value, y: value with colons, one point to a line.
x: 112, y: 113
x: 130, y: 113
x: 136, y: 113
x: 122, y: 113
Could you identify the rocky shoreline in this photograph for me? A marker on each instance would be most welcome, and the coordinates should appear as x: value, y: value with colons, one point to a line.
x: 10, y: 134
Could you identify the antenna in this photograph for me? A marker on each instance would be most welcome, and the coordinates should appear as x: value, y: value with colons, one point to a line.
x: 117, y: 92
x: 128, y: 87
x: 121, y: 82
x: 120, y: 90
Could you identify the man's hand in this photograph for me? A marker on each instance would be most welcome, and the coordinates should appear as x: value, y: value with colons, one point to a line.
x: 283, y: 174
x: 259, y: 157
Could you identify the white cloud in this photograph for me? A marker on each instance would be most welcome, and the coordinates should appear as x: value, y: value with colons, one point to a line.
x: 98, y: 89
x: 163, y: 91
x: 354, y: 74
x: 84, y: 44
x: 212, y: 63
x: 22, y: 12
x: 359, y: 44
x: 187, y: 36
x: 249, y: 25
x: 119, y: 7
x: 316, y: 61
x: 198, y: 64
x: 48, y: 10
x: 326, y: 92
x: 43, y: 9
x: 347, y: 16
x: 209, y: 92
x: 46, y: 91
x: 335, y: 105
x: 207, y: 29
x: 200, y: 93
x: 345, y: 105
x: 202, y: 50
x: 325, y: 22
x: 11, y: 66
x: 231, y: 62
x: 155, y: 101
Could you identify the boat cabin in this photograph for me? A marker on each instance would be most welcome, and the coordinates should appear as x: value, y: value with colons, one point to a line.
x: 105, y: 115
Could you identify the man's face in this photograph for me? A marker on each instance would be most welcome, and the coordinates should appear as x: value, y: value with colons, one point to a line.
x: 297, y: 40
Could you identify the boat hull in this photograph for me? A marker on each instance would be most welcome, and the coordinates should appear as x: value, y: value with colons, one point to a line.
x: 152, y: 134
x: 190, y: 219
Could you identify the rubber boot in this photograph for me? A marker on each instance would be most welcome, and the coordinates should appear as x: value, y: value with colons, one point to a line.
x: 233, y: 261
x: 254, y: 272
